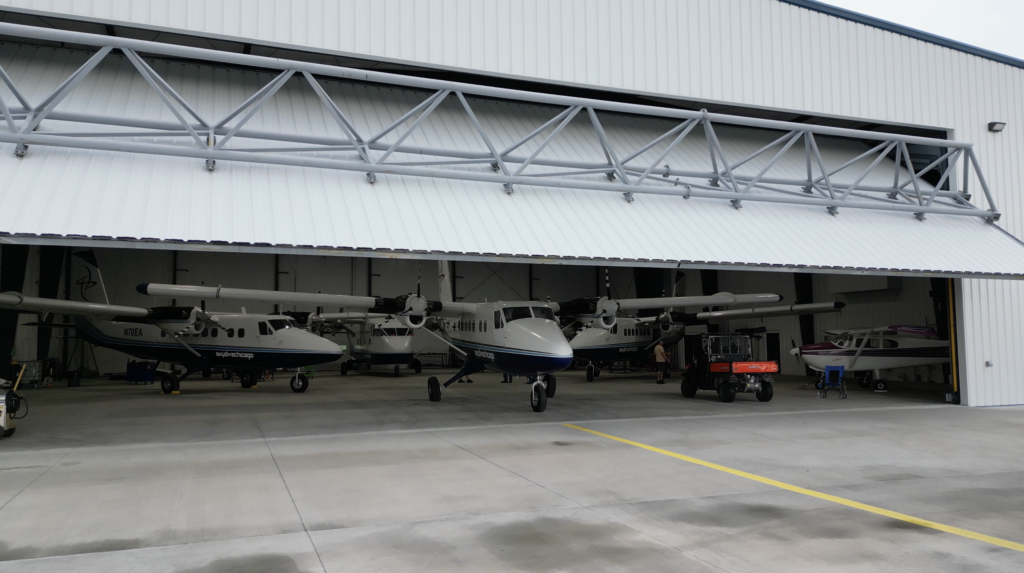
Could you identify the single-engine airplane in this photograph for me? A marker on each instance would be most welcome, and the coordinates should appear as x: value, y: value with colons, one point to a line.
x: 870, y: 350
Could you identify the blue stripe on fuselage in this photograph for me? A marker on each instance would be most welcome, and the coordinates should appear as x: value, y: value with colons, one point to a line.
x: 515, y: 361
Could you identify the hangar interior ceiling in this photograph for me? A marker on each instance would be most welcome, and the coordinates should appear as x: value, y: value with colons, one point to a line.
x: 462, y: 169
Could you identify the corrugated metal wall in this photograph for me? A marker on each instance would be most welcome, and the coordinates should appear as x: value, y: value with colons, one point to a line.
x: 753, y: 52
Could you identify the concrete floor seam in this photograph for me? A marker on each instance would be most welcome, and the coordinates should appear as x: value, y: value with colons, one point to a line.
x: 29, y: 484
x: 290, y: 496
x: 503, y: 468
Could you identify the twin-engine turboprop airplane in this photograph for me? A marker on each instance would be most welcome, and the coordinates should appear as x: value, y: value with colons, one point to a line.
x: 379, y: 332
x: 871, y: 350
x: 525, y: 339
x: 633, y: 338
x: 191, y: 337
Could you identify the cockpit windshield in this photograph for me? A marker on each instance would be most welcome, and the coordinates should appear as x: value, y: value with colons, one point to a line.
x: 543, y: 312
x: 281, y: 324
x: 728, y: 345
x: 516, y: 312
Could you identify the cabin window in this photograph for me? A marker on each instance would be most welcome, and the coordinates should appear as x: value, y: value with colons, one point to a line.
x: 206, y: 333
x: 888, y: 343
x: 484, y: 322
x: 163, y: 334
x: 263, y: 329
x: 497, y: 319
x: 615, y: 329
x: 230, y: 331
x: 543, y: 312
x: 241, y: 333
x: 213, y: 333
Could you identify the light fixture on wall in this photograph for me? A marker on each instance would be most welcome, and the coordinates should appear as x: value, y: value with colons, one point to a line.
x: 996, y: 126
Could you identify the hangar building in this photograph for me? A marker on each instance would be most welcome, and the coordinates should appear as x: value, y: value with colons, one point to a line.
x: 740, y: 145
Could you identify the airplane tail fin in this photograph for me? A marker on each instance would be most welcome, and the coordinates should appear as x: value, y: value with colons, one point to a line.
x: 89, y: 257
x: 444, y: 279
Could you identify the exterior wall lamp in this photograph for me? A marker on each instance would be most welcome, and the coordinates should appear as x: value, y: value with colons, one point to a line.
x: 996, y: 126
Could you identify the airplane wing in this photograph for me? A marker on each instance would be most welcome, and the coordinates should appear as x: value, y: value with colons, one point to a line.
x: 793, y: 309
x: 203, y: 292
x: 350, y: 317
x: 719, y: 299
x: 20, y: 302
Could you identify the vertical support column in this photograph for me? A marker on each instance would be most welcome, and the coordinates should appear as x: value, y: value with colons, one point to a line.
x: 804, y: 283
x: 954, y: 340
x: 51, y: 263
x: 13, y: 260
x: 65, y: 357
x: 709, y: 286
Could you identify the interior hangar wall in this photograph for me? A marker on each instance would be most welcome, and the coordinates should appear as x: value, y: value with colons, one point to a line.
x: 761, y: 53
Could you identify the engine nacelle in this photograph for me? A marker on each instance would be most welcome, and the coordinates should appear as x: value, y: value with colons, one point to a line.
x: 415, y: 313
x: 606, y: 313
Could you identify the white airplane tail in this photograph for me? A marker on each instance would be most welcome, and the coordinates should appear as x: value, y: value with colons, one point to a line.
x: 444, y: 281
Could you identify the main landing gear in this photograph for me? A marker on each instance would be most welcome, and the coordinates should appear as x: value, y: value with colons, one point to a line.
x: 541, y: 388
x: 592, y: 372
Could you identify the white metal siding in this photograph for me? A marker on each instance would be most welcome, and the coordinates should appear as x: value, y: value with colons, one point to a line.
x: 68, y: 192
x: 752, y: 52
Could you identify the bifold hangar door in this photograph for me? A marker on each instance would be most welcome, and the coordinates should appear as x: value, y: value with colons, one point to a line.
x: 163, y: 145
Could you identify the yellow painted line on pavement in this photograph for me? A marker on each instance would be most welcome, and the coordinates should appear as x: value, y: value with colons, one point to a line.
x: 810, y: 492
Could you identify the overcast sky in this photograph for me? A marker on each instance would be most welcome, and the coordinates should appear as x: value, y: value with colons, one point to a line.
x: 996, y: 25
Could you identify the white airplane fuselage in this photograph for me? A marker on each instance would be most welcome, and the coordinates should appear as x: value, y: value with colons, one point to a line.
x: 238, y: 342
x: 518, y: 338
x: 629, y: 339
x: 878, y: 352
x: 381, y: 341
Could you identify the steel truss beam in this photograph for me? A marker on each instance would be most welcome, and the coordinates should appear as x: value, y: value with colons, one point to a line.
x: 371, y: 155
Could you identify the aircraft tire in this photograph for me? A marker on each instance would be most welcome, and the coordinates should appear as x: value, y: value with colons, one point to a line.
x: 765, y: 393
x: 726, y: 392
x: 246, y: 378
x: 688, y: 387
x: 550, y: 385
x: 590, y: 372
x: 167, y: 383
x: 9, y: 433
x: 880, y: 386
x: 433, y: 389
x: 398, y: 371
x: 417, y: 366
x: 538, y: 398
x: 345, y: 367
x: 597, y: 372
x: 207, y: 372
x: 227, y: 374
x: 299, y: 383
